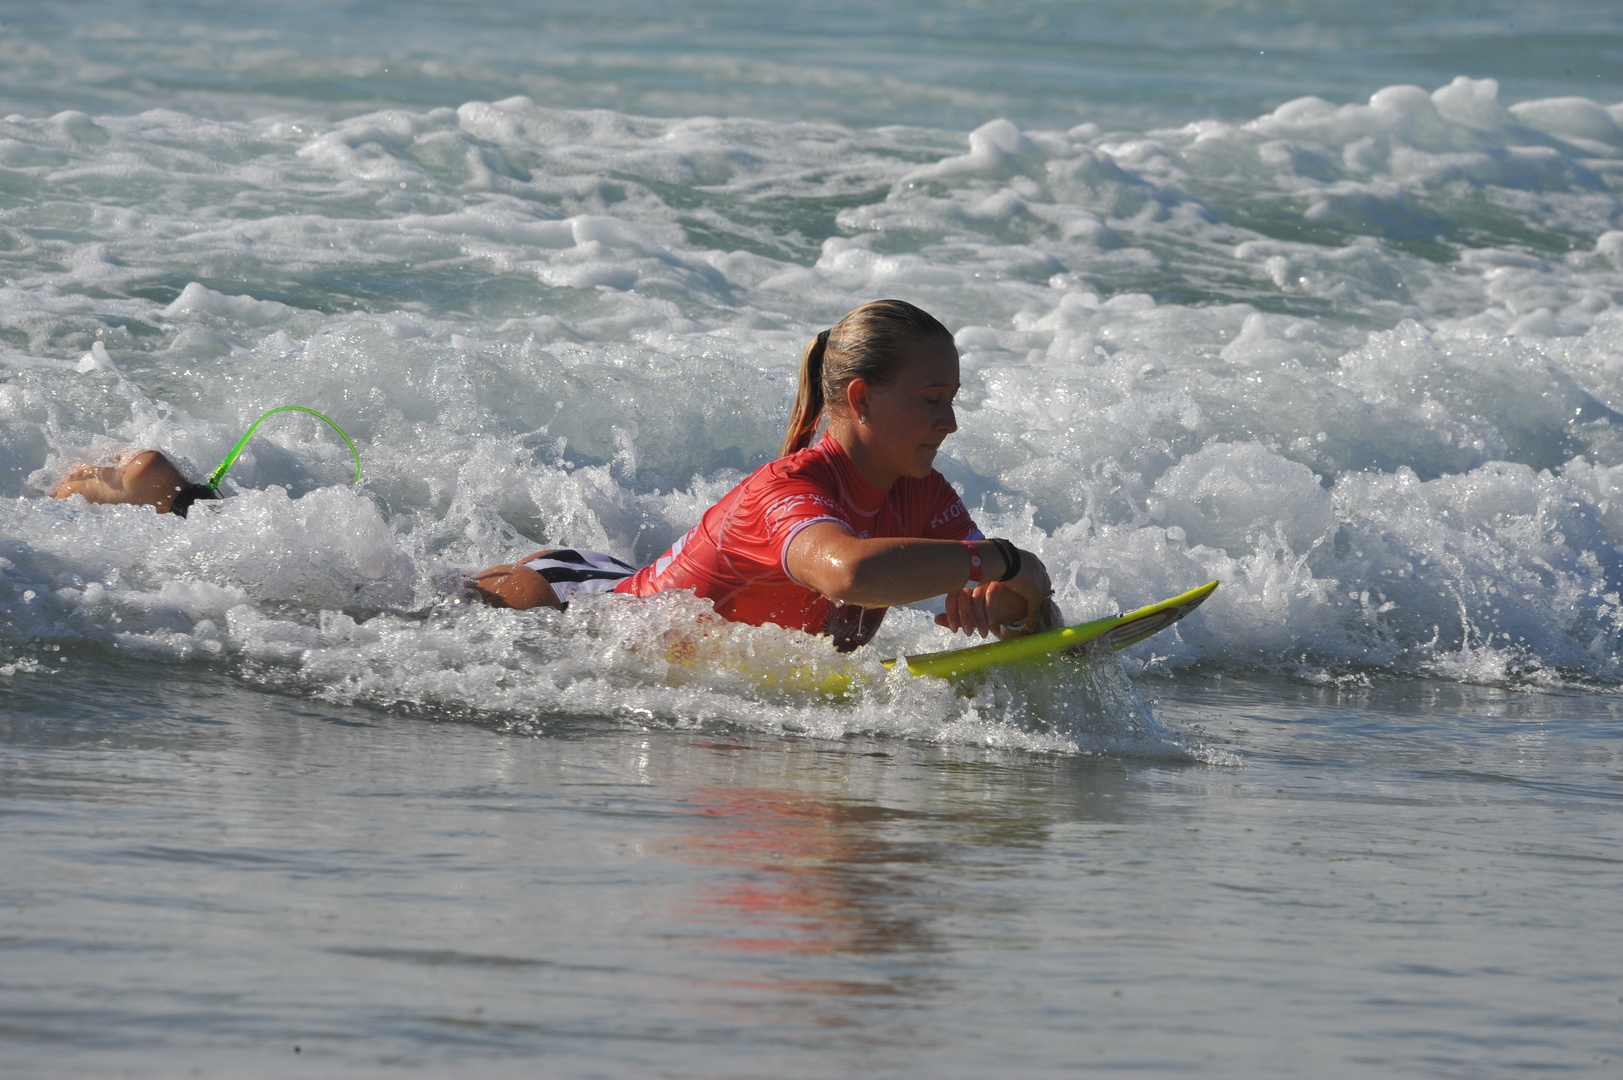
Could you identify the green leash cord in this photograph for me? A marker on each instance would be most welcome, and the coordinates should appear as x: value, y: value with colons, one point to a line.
x: 213, y: 482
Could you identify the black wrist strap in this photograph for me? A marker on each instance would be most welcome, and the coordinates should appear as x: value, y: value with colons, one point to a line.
x: 1011, y: 558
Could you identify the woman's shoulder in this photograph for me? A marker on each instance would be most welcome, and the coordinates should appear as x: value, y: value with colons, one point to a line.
x: 803, y: 472
x: 812, y: 464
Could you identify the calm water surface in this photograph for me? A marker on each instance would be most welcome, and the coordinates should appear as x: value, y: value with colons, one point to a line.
x: 1415, y: 881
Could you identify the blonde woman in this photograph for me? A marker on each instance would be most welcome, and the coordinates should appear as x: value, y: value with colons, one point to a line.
x: 839, y: 529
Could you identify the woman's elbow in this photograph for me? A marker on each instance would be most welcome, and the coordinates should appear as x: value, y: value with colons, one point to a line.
x: 859, y: 582
x: 841, y: 582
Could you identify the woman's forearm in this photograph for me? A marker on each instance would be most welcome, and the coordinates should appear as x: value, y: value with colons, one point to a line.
x: 891, y: 572
x: 884, y: 572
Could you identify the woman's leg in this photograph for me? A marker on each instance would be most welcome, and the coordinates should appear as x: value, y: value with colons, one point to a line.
x: 515, y: 585
x: 139, y: 477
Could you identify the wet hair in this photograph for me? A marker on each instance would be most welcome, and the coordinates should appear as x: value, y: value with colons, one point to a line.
x: 870, y: 344
x: 189, y: 494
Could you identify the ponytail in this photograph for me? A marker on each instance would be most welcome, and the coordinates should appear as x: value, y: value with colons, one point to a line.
x: 808, y: 399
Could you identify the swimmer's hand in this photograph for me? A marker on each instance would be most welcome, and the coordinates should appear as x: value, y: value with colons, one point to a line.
x: 1005, y: 608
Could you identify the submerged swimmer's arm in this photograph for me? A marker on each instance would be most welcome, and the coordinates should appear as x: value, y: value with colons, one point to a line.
x: 885, y: 572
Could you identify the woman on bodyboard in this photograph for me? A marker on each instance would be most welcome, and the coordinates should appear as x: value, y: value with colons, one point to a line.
x: 833, y: 533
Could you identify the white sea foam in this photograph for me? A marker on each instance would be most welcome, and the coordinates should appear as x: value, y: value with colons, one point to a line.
x: 1360, y: 362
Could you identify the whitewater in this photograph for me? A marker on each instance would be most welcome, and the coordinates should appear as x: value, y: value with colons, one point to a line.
x: 1351, y: 345
x: 1276, y: 353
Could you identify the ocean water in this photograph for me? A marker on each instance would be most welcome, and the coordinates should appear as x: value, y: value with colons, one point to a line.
x: 1324, y: 302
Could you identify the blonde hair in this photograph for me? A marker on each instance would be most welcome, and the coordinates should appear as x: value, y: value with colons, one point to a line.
x: 870, y: 344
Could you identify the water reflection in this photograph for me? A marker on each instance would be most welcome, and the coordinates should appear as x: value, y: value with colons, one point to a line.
x: 806, y: 875
x: 844, y: 880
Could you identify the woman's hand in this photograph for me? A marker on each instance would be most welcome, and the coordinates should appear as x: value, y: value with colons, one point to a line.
x: 1007, y: 608
x: 969, y: 611
x: 1033, y: 587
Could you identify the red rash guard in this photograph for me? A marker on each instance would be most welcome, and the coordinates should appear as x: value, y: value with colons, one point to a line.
x: 737, y: 556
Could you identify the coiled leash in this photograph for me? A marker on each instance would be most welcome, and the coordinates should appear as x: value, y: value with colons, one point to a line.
x: 210, y: 488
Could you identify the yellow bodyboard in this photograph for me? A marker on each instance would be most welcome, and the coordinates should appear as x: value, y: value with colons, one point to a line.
x: 1117, y: 631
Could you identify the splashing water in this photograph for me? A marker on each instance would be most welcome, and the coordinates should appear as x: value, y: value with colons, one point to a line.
x: 1358, y: 361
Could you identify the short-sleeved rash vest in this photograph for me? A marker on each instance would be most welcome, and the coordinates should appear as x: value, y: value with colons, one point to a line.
x: 737, y: 556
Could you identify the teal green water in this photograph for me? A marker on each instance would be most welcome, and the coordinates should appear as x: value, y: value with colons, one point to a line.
x: 954, y: 64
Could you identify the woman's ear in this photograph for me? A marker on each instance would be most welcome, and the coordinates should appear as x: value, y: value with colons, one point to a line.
x: 856, y: 398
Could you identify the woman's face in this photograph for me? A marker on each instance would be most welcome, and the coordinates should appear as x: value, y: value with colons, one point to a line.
x: 908, y: 419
